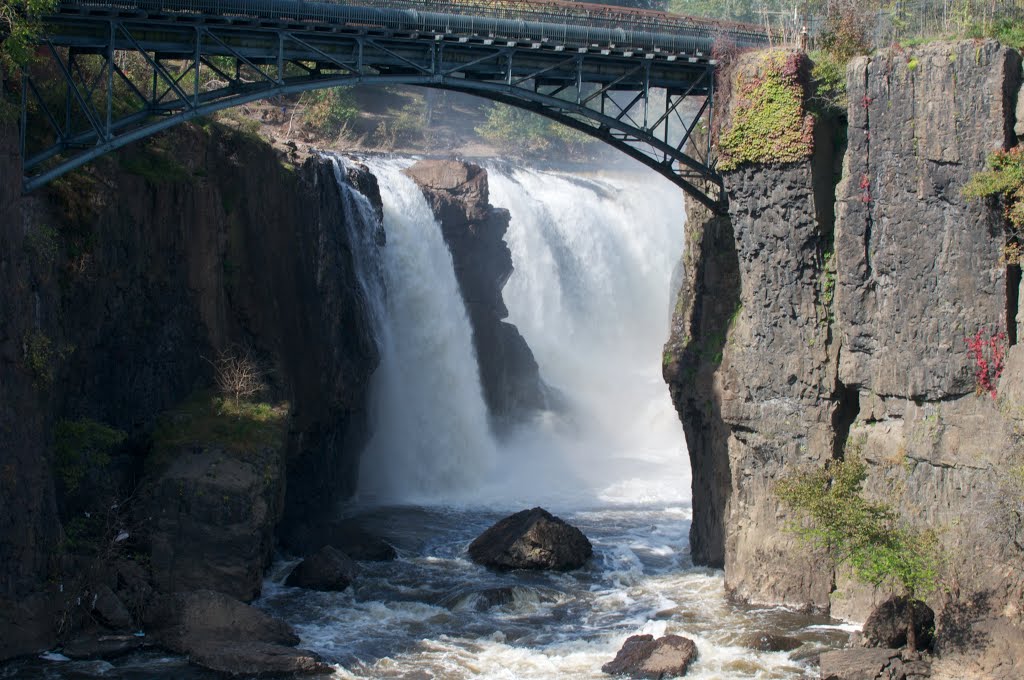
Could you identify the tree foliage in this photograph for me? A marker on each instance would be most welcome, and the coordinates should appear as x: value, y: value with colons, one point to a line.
x: 1004, y: 179
x: 864, y: 535
x: 19, y: 30
x: 516, y: 130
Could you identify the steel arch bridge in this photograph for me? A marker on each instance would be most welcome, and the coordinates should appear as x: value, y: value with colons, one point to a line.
x: 115, y: 71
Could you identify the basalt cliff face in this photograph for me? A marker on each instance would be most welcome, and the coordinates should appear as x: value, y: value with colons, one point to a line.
x: 819, y: 318
x: 123, y: 284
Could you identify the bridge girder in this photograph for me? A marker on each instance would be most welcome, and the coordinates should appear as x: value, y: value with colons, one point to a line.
x: 89, y: 103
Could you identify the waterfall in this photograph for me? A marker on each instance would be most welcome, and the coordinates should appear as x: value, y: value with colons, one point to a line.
x: 590, y: 293
x: 430, y: 438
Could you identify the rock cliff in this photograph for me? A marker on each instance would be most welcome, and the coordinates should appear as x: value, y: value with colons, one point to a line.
x: 818, y: 319
x: 474, y: 230
x: 123, y: 284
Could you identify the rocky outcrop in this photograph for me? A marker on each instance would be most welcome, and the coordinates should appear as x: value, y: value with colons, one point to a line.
x: 751, y: 365
x: 644, y: 657
x: 228, y: 636
x: 124, y: 281
x: 473, y: 229
x: 872, y: 664
x: 816, y: 321
x: 211, y: 516
x: 531, y: 539
x: 327, y: 569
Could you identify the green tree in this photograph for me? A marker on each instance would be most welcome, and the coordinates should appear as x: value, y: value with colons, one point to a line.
x: 19, y: 30
x: 863, y: 535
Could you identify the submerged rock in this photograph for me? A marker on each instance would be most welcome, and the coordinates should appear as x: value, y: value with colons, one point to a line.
x: 102, y: 646
x: 531, y: 539
x: 346, y: 535
x: 257, y: 658
x: 644, y: 657
x: 329, y: 569
x: 887, y: 625
x: 769, y: 642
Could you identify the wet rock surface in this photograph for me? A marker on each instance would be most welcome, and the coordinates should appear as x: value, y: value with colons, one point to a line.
x: 647, y: 658
x: 185, y: 620
x: 771, y: 642
x: 531, y: 539
x: 328, y: 569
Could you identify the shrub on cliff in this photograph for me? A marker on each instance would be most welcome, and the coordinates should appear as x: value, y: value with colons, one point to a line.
x: 770, y: 123
x: 863, y: 535
x: 1004, y: 179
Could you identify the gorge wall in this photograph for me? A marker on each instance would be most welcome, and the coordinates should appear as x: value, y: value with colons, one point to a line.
x: 820, y: 318
x: 123, y: 284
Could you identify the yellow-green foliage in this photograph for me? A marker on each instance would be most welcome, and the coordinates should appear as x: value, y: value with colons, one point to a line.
x: 864, y: 535
x: 19, y: 29
x: 329, y: 110
x: 514, y: 130
x: 829, y: 77
x: 42, y: 356
x: 1005, y: 179
x: 209, y: 420
x: 769, y: 123
x: 80, y: 445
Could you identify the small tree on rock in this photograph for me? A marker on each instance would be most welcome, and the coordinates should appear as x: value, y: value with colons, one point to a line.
x: 863, y: 535
x: 237, y: 375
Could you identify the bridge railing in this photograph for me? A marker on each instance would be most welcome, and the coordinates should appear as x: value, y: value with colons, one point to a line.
x: 522, y: 19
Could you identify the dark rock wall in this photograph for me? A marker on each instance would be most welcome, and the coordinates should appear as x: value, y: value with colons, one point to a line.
x: 161, y: 256
x: 780, y: 359
x: 474, y: 231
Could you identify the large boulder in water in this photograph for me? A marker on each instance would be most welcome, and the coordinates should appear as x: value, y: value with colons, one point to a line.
x: 220, y: 633
x: 887, y: 624
x: 531, y: 539
x: 329, y: 569
x: 644, y: 657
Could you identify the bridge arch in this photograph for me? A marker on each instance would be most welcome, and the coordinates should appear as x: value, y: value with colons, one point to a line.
x: 605, y: 89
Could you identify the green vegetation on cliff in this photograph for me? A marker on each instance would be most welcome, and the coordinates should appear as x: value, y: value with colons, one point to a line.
x: 1004, y: 179
x: 769, y: 121
x: 864, y: 535
x: 211, y: 420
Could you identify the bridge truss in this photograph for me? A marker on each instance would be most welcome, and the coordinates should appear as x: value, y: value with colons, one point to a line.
x: 116, y: 71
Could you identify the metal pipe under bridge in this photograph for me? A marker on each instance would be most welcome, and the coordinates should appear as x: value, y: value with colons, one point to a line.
x: 642, y: 82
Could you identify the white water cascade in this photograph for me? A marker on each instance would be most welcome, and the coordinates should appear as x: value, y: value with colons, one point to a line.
x: 594, y: 257
x: 430, y: 434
